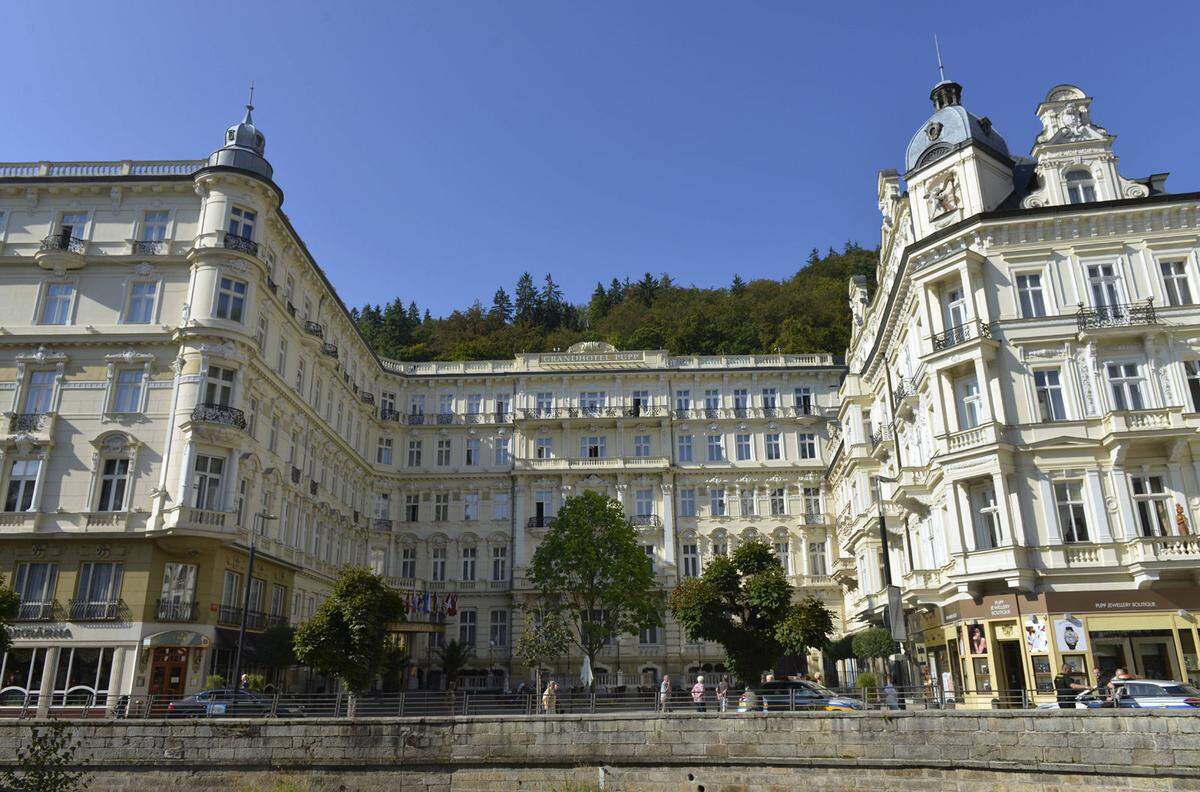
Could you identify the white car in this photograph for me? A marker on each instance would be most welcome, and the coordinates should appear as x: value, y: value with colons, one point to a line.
x: 1156, y: 694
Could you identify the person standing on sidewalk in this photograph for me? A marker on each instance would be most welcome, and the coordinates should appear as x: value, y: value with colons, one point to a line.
x: 664, y: 694
x: 698, y: 694
x: 550, y: 698
x: 722, y: 694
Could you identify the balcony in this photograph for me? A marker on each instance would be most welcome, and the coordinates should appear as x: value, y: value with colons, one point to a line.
x: 814, y: 518
x: 241, y: 244
x: 881, y: 439
x: 904, y: 397
x: 1167, y: 548
x: 960, y: 334
x: 539, y: 522
x: 28, y: 423
x: 35, y: 610
x: 181, y: 611
x: 1165, y: 419
x: 367, y: 397
x: 381, y: 524
x: 231, y: 616
x: 150, y: 247
x: 645, y: 521
x: 971, y: 438
x: 329, y: 350
x: 315, y: 329
x: 95, y: 610
x: 206, y: 519
x: 219, y: 414
x: 388, y: 414
x: 592, y: 463
x: 1116, y: 316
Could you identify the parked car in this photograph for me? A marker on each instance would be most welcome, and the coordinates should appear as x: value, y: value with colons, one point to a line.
x: 785, y: 694
x: 222, y: 702
x: 1155, y: 694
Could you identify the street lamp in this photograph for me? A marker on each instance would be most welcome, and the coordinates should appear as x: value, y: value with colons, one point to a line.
x: 895, y: 610
x: 261, y: 517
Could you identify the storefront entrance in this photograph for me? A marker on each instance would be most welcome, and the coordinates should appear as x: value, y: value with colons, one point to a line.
x: 168, y: 671
x: 1012, y: 674
x: 1149, y: 654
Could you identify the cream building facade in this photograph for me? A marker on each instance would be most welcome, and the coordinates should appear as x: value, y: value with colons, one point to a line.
x: 1022, y: 409
x: 180, y: 378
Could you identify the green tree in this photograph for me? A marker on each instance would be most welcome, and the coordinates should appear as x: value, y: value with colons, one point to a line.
x: 347, y: 636
x: 502, y: 307
x: 275, y: 650
x: 528, y: 305
x: 48, y: 763
x: 744, y: 603
x: 396, y: 661
x: 453, y: 658
x: 541, y: 642
x: 738, y: 286
x: 872, y: 643
x: 591, y: 572
x: 10, y: 601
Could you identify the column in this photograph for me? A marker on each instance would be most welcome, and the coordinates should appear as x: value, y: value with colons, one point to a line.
x: 185, y: 471
x: 1049, y: 509
x: 519, y: 520
x: 994, y: 407
x: 39, y: 484
x: 668, y: 519
x: 115, y: 678
x: 966, y: 524
x: 1097, y: 514
x: 231, y: 488
x: 46, y: 690
x: 1008, y: 531
x: 1128, y: 527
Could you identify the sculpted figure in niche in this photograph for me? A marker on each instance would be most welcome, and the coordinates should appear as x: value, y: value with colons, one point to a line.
x: 1181, y: 521
x: 943, y: 197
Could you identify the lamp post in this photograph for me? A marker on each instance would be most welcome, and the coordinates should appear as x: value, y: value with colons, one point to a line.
x: 261, y: 517
x: 894, y: 611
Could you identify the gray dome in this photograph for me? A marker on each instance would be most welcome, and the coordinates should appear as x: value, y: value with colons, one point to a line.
x: 950, y: 125
x: 244, y: 148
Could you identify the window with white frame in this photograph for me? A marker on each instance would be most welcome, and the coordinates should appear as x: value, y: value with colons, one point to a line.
x: 412, y: 507
x: 383, y: 451
x: 57, y: 300
x: 784, y: 556
x: 691, y: 560
x: 648, y: 549
x: 643, y: 502
x: 35, y: 583
x: 816, y: 557
x: 956, y: 307
x: 1191, y: 370
x: 466, y: 628
x: 114, y: 478
x: 641, y: 445
x: 441, y: 507
x: 1081, y: 187
x: 592, y: 446
x: 987, y: 520
x: 1175, y: 282
x: 716, y: 502
x: 807, y: 444
x: 73, y: 224
x: 241, y: 222
x: 1029, y: 294
x: 207, y: 474
x: 716, y: 448
x: 743, y: 447
x: 300, y: 376
x: 474, y: 403
x: 1151, y: 501
x: 712, y: 400
x: 1048, y: 387
x: 470, y: 506
x: 684, y: 443
x: 39, y: 391
x: 218, y: 386
x: 778, y: 501
x: 231, y: 299
x: 1072, y: 515
x: 468, y: 563
x: 501, y: 505
x: 1104, y: 286
x: 649, y: 636
x: 545, y: 404
x: 803, y: 401
x: 445, y: 407
x: 98, y: 590
x: 438, y: 558
x: 502, y: 453
x: 499, y: 563
x: 471, y: 452
x: 683, y: 401
x: 747, y: 502
x: 260, y: 335
x: 770, y: 400
x: 970, y: 402
x: 773, y: 446
x: 443, y: 452
x: 687, y: 502
x: 408, y: 562
x: 1125, y: 384
x: 591, y: 402
x: 414, y: 453
x: 178, y: 595
x: 720, y: 548
x: 127, y: 390
x: 812, y: 502
x: 543, y: 448
x: 639, y: 400
x: 143, y: 296
x: 154, y: 225
x: 22, y: 481
x: 499, y: 628
x: 281, y: 356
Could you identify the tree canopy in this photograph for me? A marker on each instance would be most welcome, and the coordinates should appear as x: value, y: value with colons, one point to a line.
x: 804, y: 313
x: 591, y: 572
x: 347, y: 637
x: 744, y: 602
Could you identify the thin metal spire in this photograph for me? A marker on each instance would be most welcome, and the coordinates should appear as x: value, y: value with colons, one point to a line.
x: 250, y: 104
x: 936, y: 48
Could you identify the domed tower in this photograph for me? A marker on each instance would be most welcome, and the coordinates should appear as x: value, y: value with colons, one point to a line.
x: 244, y: 147
x: 956, y: 164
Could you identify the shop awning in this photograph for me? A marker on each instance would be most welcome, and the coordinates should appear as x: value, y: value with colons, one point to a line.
x: 186, y: 638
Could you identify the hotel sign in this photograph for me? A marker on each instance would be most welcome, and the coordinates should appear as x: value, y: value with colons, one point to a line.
x: 573, y: 359
x: 40, y: 632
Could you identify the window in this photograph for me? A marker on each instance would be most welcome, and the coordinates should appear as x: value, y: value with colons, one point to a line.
x: 687, y: 502
x: 471, y: 452
x: 816, y: 558
x: 986, y: 526
x: 773, y: 446
x: 591, y: 402
x: 643, y: 502
x: 1175, y: 282
x: 1102, y: 280
x: 383, y: 451
x: 544, y: 448
x: 804, y: 401
x: 1081, y: 187
x: 1151, y: 501
x: 278, y: 595
x: 468, y: 563
x: 1125, y: 383
x: 281, y: 357
x: 154, y: 225
x: 639, y: 401
x: 770, y: 400
x: 412, y: 507
x: 712, y: 401
x: 40, y: 392
x: 73, y: 224
x: 499, y: 563
x: 545, y: 404
x: 778, y: 501
x: 956, y: 308
x: 970, y: 403
x: 685, y: 448
x: 441, y: 507
x: 649, y: 636
x: 716, y: 448
x: 1029, y: 293
x: 812, y: 502
x: 218, y: 386
x: 127, y: 396
x: 648, y: 549
x: 98, y: 590
x: 807, y: 443
x: 438, y: 572
x: 741, y: 444
x: 592, y: 446
x: 500, y: 506
x: 231, y: 299
x: 208, y: 472
x: 720, y: 548
x: 471, y: 506
x: 22, y: 480
x: 683, y: 401
x: 1191, y: 368
x: 691, y: 560
x: 414, y: 453
x: 1068, y: 495
x: 474, y: 403
x: 503, y: 407
x: 785, y: 557
x: 716, y: 502
x: 241, y: 222
x: 113, y: 477
x: 34, y: 583
x: 142, y: 295
x: 56, y: 305
x: 443, y: 452
x: 502, y: 456
x: 1049, y: 395
x: 466, y: 628
x: 499, y: 628
x: 408, y: 562
x: 416, y: 406
x: 741, y: 400
x: 641, y: 445
x: 747, y: 502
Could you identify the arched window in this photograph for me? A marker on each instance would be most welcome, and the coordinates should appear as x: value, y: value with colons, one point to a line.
x: 1081, y: 187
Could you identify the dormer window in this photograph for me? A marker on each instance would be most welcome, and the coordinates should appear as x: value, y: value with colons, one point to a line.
x: 1081, y: 187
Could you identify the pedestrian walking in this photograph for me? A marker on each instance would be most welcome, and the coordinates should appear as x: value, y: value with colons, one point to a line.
x: 889, y: 695
x: 664, y: 694
x: 698, y: 694
x: 550, y: 698
x: 723, y: 695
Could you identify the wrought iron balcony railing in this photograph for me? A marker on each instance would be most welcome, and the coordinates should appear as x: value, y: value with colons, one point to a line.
x: 902, y: 390
x: 651, y: 520
x: 1120, y: 315
x: 180, y: 611
x: 28, y: 422
x: 538, y: 522
x: 64, y: 242
x: 382, y: 524
x: 314, y: 328
x: 149, y: 247
x: 367, y: 397
x: 95, y: 610
x: 329, y: 350
x: 960, y: 334
x: 219, y: 414
x: 35, y: 610
x: 241, y: 244
x: 388, y: 414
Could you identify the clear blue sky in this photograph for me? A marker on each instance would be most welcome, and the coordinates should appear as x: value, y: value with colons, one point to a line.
x: 434, y: 150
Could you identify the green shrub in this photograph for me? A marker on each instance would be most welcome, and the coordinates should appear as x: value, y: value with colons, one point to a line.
x: 214, y: 681
x: 256, y: 681
x: 867, y: 682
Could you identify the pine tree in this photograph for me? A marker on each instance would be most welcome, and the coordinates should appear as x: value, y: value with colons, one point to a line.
x: 502, y: 307
x: 527, y: 303
x: 647, y: 288
x: 738, y: 286
x: 813, y: 257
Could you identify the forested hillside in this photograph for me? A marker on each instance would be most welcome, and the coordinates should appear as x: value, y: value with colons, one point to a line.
x: 804, y: 313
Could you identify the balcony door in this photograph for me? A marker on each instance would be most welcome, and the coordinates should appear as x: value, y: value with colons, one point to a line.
x: 1103, y: 283
x: 956, y: 308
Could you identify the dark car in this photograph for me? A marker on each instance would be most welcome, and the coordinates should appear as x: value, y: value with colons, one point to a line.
x: 786, y: 694
x: 222, y: 702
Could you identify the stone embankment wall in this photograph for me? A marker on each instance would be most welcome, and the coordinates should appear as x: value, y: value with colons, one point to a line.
x: 646, y: 753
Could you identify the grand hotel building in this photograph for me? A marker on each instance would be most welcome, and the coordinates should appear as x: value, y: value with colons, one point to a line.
x: 1021, y: 390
